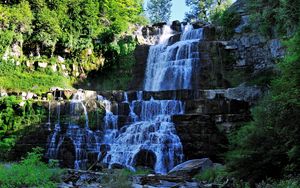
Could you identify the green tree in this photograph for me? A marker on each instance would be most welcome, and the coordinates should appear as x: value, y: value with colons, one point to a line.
x: 206, y: 9
x: 269, y: 146
x: 159, y: 10
x: 275, y: 17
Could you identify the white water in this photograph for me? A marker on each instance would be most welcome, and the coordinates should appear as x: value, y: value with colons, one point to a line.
x: 149, y: 126
x: 84, y: 140
x: 173, y: 67
x: 151, y: 130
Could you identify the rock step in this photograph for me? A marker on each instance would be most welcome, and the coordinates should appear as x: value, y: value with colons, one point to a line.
x: 242, y: 93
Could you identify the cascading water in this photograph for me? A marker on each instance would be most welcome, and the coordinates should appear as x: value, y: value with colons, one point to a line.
x: 151, y: 131
x: 110, y: 127
x: 83, y: 139
x: 173, y: 67
x: 148, y: 137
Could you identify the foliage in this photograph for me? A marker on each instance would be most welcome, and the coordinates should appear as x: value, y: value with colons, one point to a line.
x: 15, y: 116
x: 30, y: 172
x: 21, y: 79
x: 68, y: 28
x: 159, y: 10
x: 275, y: 17
x: 206, y: 10
x: 215, y: 174
x: 120, y: 57
x: 269, y: 145
x: 284, y: 183
x: 121, y: 178
x: 228, y: 20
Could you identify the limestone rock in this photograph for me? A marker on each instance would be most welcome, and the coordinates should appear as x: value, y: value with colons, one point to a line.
x: 60, y: 59
x: 29, y: 63
x: 244, y: 23
x: 42, y: 64
x: 276, y: 48
x: 3, y: 94
x: 91, y: 95
x: 245, y: 93
x: 16, y: 50
x: 54, y: 68
x: 191, y: 167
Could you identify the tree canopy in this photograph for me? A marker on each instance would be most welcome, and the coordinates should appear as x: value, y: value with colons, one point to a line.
x: 206, y: 9
x: 159, y: 10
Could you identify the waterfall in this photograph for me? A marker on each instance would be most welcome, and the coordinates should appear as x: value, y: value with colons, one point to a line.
x: 148, y: 136
x: 173, y: 67
x: 151, y: 131
x: 82, y: 139
x: 110, y: 122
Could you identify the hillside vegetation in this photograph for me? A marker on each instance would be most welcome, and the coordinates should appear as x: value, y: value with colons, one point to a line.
x: 69, y: 37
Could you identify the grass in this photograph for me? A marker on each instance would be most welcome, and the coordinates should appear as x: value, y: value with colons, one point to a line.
x: 30, y: 172
x: 18, y: 79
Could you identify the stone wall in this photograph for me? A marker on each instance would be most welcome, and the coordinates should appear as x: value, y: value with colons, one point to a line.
x: 252, y: 54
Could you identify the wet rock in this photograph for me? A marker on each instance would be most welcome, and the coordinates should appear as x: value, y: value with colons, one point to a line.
x: 117, y: 166
x: 173, y: 39
x: 176, y: 26
x: 159, y: 25
x: 209, y: 33
x: 191, y: 167
x: 141, y: 55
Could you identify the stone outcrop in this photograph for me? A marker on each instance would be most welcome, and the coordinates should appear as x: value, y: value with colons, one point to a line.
x: 250, y: 54
x: 141, y: 55
x: 191, y: 167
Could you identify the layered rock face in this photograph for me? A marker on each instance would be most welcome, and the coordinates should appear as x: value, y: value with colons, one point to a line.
x: 209, y: 71
x: 179, y: 115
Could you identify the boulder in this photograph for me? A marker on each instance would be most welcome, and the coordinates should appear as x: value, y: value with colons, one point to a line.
x: 191, y: 167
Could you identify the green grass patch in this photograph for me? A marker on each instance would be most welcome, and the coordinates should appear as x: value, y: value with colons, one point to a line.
x: 17, y: 79
x: 30, y: 172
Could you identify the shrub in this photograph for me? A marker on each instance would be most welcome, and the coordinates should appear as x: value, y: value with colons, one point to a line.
x: 228, y: 20
x: 268, y: 147
x: 20, y: 79
x: 15, y: 116
x: 216, y: 174
x: 30, y: 172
